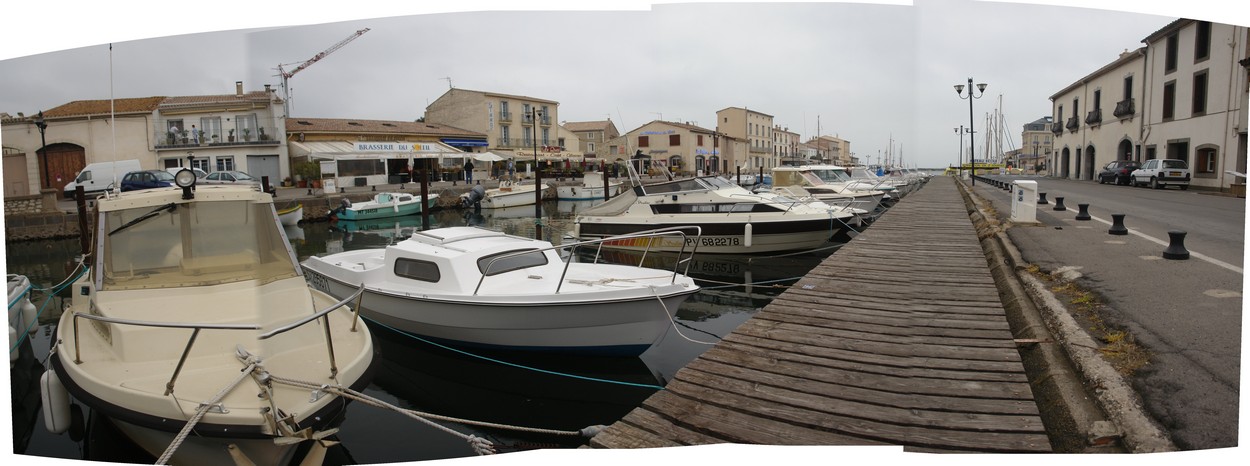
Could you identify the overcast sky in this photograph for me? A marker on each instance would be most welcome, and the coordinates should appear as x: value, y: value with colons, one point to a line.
x: 865, y: 72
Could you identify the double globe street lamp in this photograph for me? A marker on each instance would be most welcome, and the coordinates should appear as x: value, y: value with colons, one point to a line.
x: 959, y: 89
x: 43, y: 146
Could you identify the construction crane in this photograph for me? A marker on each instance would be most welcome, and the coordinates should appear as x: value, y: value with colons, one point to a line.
x: 286, y: 92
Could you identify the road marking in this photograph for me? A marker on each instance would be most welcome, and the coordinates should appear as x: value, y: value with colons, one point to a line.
x: 1165, y: 244
x: 1115, y: 242
x: 1217, y: 293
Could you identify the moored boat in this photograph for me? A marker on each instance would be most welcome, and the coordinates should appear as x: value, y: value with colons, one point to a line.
x: 194, y: 316
x: 478, y: 287
x: 590, y: 189
x: 384, y: 205
x: 508, y: 194
x: 733, y: 220
x: 291, y: 216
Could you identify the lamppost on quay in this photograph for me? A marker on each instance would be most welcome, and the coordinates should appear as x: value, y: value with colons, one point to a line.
x: 43, y: 146
x: 960, y: 132
x: 1035, y: 157
x: 538, y: 176
x: 972, y: 153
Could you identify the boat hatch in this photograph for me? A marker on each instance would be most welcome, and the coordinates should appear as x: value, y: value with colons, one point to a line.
x: 508, y: 261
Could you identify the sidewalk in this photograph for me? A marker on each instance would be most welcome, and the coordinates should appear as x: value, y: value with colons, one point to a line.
x: 1178, y: 347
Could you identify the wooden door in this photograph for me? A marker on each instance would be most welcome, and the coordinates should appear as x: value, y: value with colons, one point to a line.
x: 16, y: 179
x: 64, y: 161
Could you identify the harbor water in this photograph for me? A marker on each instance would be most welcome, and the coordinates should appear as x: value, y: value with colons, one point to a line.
x: 564, y: 393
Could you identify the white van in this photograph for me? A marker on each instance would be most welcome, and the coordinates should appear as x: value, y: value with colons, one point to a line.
x: 96, y: 177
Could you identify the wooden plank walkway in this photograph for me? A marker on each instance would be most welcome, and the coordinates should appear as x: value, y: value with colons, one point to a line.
x: 898, y: 338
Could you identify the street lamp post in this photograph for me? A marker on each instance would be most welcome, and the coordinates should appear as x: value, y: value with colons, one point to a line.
x: 960, y: 132
x: 959, y: 89
x: 43, y: 145
x: 1035, y: 157
x: 538, y: 177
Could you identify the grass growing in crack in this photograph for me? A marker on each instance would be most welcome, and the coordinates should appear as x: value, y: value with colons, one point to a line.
x: 1118, y: 346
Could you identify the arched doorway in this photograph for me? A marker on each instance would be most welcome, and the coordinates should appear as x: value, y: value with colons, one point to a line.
x: 714, y: 164
x: 1065, y: 162
x: 62, y: 163
x: 1124, y: 151
x: 1088, y: 171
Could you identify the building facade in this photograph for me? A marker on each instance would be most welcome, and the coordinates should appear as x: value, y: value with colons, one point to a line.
x: 593, y: 136
x: 1195, y: 99
x: 1096, y: 119
x: 1181, y: 96
x: 510, y: 122
x: 1035, y: 145
x: 786, y: 147
x: 681, y: 148
x: 239, y: 131
x: 756, y: 129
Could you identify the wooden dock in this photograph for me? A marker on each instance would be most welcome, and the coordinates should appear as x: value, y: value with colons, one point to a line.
x: 898, y: 338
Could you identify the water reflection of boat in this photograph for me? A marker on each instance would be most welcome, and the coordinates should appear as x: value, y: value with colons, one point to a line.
x: 451, y: 383
x: 24, y: 373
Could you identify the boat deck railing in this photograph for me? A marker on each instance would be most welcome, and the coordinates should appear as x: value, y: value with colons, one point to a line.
x: 196, y: 327
x: 650, y: 237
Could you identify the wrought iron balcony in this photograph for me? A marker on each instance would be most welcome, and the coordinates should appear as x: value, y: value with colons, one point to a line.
x: 527, y: 118
x: 505, y: 116
x: 1073, y: 124
x: 1056, y: 129
x: 1124, y: 108
x: 512, y: 143
x: 1094, y: 117
x: 544, y: 120
x: 184, y: 139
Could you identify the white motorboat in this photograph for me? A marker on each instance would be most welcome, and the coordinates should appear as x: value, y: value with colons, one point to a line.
x: 194, y: 318
x: 478, y: 287
x: 733, y: 220
x: 508, y: 194
x: 833, y: 193
x: 590, y: 189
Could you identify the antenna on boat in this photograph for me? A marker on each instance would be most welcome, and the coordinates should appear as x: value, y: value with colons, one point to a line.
x: 113, y: 120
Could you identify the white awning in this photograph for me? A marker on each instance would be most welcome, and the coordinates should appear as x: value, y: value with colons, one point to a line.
x: 338, y: 150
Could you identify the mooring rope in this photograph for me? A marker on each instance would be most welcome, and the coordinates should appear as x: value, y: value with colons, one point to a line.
x: 47, y: 300
x: 480, y: 445
x: 199, y: 413
x: 673, y: 320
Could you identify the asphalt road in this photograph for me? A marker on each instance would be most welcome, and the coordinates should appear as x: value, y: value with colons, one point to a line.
x: 1187, y: 313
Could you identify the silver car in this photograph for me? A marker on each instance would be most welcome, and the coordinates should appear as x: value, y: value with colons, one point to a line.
x: 234, y: 177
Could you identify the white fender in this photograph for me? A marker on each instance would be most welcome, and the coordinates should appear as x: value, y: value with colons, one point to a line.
x: 746, y: 234
x: 55, y: 403
x: 12, y: 340
x: 29, y: 314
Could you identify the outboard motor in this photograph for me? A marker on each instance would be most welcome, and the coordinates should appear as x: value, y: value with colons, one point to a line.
x: 474, y: 197
x: 344, y: 203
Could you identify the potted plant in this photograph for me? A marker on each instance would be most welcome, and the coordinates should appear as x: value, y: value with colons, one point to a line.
x: 262, y: 136
x: 231, y: 134
x: 185, y: 133
x: 247, y: 134
x: 216, y: 139
x: 307, y: 171
x: 200, y: 136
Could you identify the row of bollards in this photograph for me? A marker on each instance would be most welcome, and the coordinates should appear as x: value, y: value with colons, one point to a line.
x: 1176, y: 238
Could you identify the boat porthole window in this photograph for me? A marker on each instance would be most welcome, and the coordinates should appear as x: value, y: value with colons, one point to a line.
x: 417, y: 270
x: 509, y: 261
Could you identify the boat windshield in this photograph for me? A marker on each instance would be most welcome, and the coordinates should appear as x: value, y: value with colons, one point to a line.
x: 831, y: 175
x: 193, y: 244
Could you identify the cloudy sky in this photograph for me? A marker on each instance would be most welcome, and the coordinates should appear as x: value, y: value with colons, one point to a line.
x: 866, y: 72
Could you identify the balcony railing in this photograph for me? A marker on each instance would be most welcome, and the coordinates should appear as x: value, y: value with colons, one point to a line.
x: 514, y: 143
x: 1094, y: 117
x: 184, y: 139
x: 544, y: 120
x: 505, y: 116
x: 1056, y: 129
x: 527, y: 119
x: 1124, y: 108
x: 1073, y: 124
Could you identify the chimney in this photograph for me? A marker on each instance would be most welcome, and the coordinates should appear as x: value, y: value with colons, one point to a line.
x: 267, y: 90
x: 238, y: 88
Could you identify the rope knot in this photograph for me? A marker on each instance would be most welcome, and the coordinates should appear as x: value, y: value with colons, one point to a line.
x: 481, y: 446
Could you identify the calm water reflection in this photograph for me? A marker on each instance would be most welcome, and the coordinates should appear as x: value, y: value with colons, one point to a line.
x: 417, y: 375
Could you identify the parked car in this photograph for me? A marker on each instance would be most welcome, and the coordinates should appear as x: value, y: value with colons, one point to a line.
x: 233, y: 177
x: 147, y: 179
x: 199, y: 174
x: 1159, y: 173
x: 1118, y: 172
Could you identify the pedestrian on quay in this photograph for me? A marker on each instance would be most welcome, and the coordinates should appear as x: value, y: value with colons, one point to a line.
x: 511, y: 169
x: 468, y: 171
